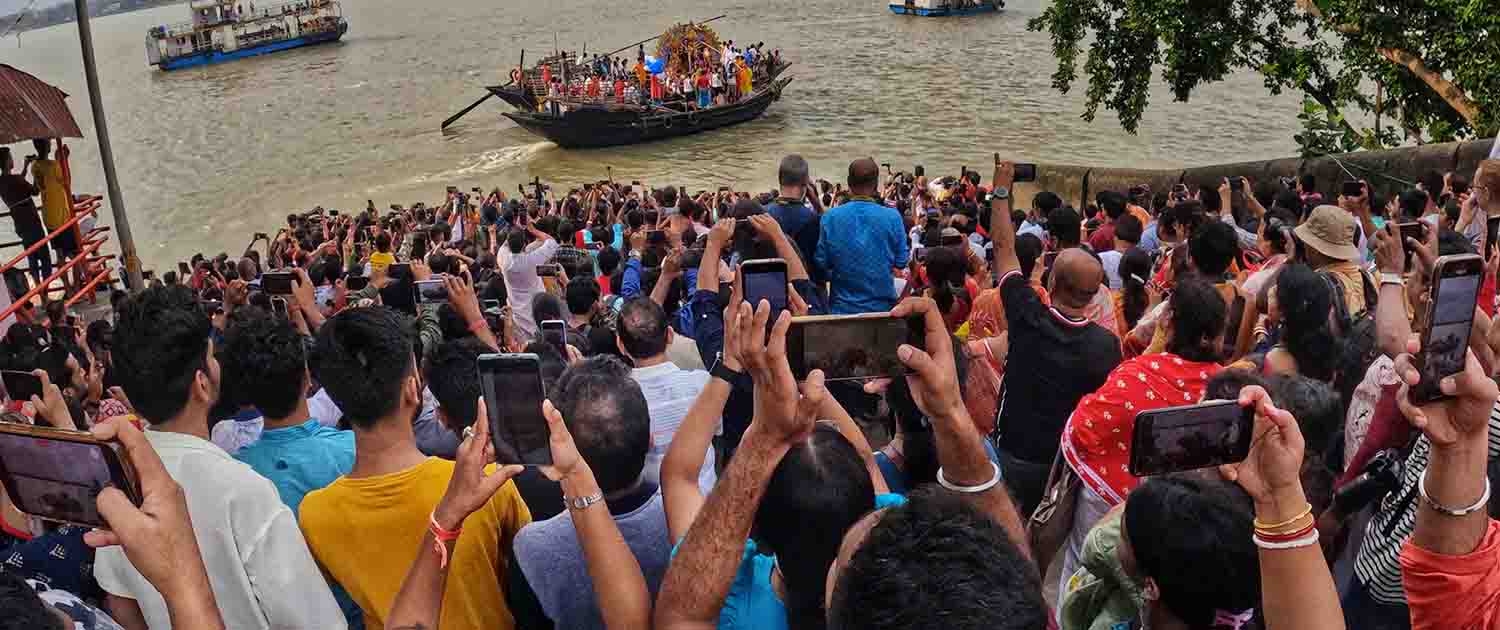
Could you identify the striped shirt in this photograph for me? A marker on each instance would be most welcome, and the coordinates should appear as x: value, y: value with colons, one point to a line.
x: 1377, y: 563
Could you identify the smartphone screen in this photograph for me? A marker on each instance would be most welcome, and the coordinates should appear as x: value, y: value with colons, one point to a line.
x: 399, y: 271
x: 356, y: 283
x: 276, y: 282
x: 1450, y: 317
x: 1414, y: 230
x: 766, y: 280
x: 546, y: 271
x: 1492, y: 231
x: 183, y: 270
x: 1025, y: 172
x: 490, y: 305
x: 60, y: 479
x: 1187, y: 438
x: 849, y: 347
x: 430, y: 291
x: 21, y: 385
x: 513, y: 394
x: 555, y: 332
x: 278, y: 307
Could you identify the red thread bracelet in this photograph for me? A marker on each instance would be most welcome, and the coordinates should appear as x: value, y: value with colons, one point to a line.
x: 442, y: 536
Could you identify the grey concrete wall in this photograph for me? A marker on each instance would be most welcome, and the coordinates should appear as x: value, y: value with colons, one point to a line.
x: 1077, y: 183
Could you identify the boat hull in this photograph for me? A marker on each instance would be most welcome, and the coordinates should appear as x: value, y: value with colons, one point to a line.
x: 592, y: 127
x: 212, y: 57
x: 901, y: 9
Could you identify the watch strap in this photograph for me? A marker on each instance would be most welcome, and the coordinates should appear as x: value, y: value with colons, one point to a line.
x: 724, y: 373
x: 1388, y: 277
x: 584, y: 502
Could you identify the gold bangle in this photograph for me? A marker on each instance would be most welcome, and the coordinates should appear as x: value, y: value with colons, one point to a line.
x: 1283, y: 524
x: 1303, y: 522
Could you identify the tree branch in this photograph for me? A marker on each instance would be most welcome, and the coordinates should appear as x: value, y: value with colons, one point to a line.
x: 1450, y: 93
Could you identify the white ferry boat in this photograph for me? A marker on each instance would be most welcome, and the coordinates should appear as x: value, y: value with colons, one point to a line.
x: 222, y: 30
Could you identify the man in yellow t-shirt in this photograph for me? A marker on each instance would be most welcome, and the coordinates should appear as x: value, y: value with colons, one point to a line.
x: 47, y: 174
x: 366, y: 528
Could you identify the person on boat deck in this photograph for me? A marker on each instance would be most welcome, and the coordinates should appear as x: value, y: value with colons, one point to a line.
x: 745, y: 81
x: 593, y: 88
x: 705, y: 94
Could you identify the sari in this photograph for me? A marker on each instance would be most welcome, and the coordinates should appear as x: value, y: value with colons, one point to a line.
x: 1096, y: 439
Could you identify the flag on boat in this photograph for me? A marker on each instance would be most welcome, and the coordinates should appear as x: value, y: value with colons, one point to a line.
x: 655, y: 65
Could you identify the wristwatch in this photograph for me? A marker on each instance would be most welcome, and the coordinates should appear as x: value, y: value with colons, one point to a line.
x: 583, y: 503
x: 724, y: 373
x: 1389, y: 277
x: 999, y: 193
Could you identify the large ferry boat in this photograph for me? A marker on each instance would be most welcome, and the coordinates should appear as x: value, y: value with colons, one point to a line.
x: 946, y: 8
x: 222, y: 30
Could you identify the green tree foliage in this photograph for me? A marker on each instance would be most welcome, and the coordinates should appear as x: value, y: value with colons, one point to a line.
x: 1436, y: 62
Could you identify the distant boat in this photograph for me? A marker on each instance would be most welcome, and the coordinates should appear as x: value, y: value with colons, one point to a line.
x: 223, y: 30
x: 946, y: 8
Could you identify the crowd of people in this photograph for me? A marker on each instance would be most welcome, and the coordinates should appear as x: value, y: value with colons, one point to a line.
x: 318, y: 454
x: 705, y: 78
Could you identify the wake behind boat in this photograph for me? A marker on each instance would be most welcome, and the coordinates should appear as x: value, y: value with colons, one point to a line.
x: 222, y: 30
x: 693, y: 83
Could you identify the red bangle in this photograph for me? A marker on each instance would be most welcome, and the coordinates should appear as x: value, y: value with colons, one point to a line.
x: 442, y: 536
x: 1285, y: 537
x: 478, y: 325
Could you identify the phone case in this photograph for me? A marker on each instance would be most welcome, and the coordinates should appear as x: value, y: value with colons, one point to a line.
x: 1425, y: 392
x: 122, y: 474
x: 1144, y: 428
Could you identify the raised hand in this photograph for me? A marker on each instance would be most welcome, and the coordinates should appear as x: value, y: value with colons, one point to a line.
x: 1461, y: 418
x: 565, y: 457
x: 1270, y: 473
x: 1390, y: 254
x: 776, y: 395
x: 471, y: 487
x: 934, y: 382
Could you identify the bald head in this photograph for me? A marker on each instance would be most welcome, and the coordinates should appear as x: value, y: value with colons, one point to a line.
x: 864, y: 176
x: 1076, y: 277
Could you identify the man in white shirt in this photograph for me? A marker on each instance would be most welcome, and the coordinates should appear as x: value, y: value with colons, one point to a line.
x: 262, y: 574
x: 643, y: 335
x: 518, y: 265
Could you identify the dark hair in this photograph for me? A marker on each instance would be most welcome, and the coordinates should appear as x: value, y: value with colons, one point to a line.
x: 936, y: 562
x: 1278, y: 224
x: 1028, y: 250
x: 1309, y: 183
x: 1192, y: 537
x: 819, y: 489
x: 22, y: 609
x: 267, y: 360
x: 1226, y: 385
x: 1135, y: 271
x: 582, y: 294
x: 1065, y: 226
x: 608, y: 417
x: 364, y: 356
x: 642, y: 327
x: 946, y: 271
x: 1314, y: 404
x: 1305, y: 301
x: 1413, y: 203
x: 546, y: 306
x: 609, y: 260
x: 793, y: 171
x: 1113, y: 203
x: 552, y: 360
x: 1451, y: 243
x: 383, y: 242
x: 1045, y: 202
x: 1198, y: 313
x: 1213, y: 247
x: 451, y: 371
x: 161, y: 343
x: 1128, y: 228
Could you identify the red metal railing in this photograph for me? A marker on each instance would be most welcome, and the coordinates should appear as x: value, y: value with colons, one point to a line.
x: 88, y: 245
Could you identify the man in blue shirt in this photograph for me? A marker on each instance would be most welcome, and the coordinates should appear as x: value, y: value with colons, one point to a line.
x: 859, y: 243
x: 798, y: 220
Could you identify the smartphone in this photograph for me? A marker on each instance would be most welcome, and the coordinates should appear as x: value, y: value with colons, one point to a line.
x: 1236, y: 184
x: 21, y: 386
x: 1025, y: 172
x: 555, y: 332
x: 333, y: 213
x: 278, y: 307
x: 277, y: 282
x: 1492, y: 231
x: 1353, y: 189
x: 1047, y: 260
x: 490, y: 305
x: 1415, y: 230
x: 919, y: 254
x: 57, y: 475
x: 513, y: 394
x: 765, y: 279
x: 1187, y: 438
x: 399, y: 271
x: 430, y: 291
x: 595, y: 245
x: 850, y: 347
x: 356, y: 283
x: 548, y: 271
x: 1450, y: 316
x: 183, y: 271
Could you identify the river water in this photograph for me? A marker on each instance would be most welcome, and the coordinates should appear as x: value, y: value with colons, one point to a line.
x: 209, y: 155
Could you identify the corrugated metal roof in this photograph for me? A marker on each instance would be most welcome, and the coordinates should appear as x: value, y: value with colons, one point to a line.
x: 30, y: 108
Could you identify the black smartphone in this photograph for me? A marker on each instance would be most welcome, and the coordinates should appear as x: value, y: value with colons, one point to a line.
x: 1415, y: 230
x: 548, y: 270
x: 919, y: 254
x: 595, y: 245
x: 555, y: 332
x: 849, y: 347
x: 1354, y: 189
x: 1236, y: 184
x: 399, y: 271
x: 1454, y: 290
x: 765, y: 279
x: 277, y: 282
x: 1047, y: 260
x: 513, y: 394
x: 490, y: 305
x: 1491, y: 231
x: 356, y: 283
x: 1175, y: 439
x: 21, y: 386
x: 1025, y: 172
x: 430, y: 291
x: 183, y: 271
x: 279, y: 308
x: 57, y: 475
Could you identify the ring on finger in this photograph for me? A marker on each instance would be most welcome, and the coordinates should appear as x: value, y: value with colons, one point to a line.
x: 468, y: 432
